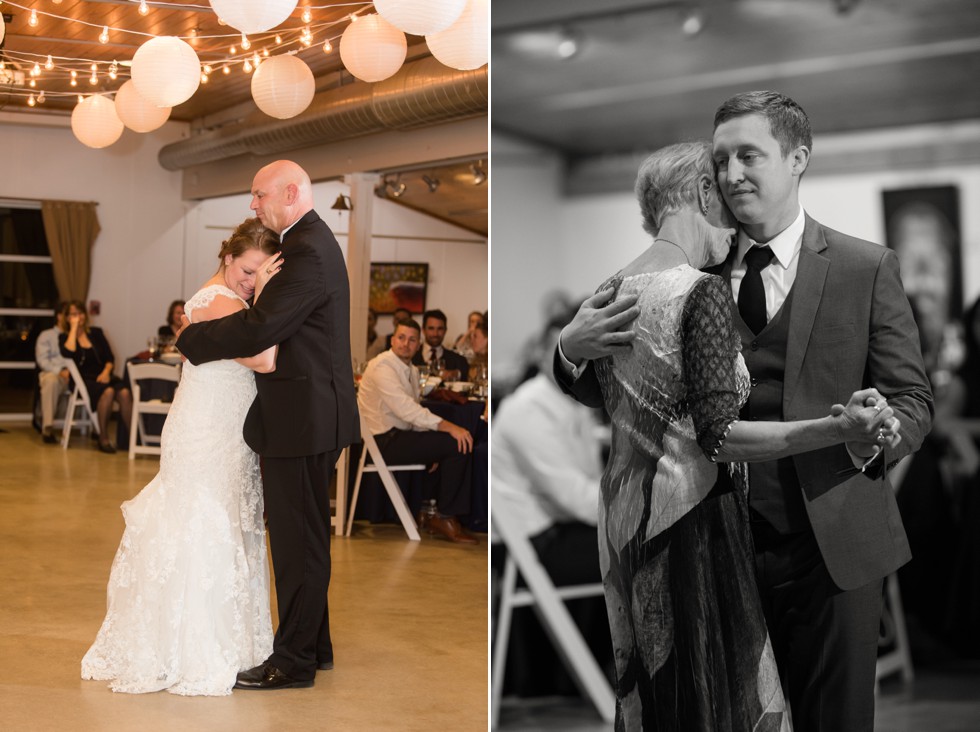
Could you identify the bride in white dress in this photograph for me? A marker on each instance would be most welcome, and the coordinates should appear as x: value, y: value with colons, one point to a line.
x: 188, y: 595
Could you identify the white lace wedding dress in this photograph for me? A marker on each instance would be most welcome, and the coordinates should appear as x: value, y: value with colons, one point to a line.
x: 188, y: 595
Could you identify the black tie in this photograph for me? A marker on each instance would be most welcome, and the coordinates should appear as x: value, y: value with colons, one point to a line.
x: 751, y: 294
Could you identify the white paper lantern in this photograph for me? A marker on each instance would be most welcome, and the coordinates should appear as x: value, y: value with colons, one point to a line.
x: 166, y: 71
x: 137, y: 113
x: 95, y: 123
x: 3, y: 29
x: 464, y: 44
x: 373, y: 49
x: 420, y: 17
x: 283, y: 86
x: 253, y: 16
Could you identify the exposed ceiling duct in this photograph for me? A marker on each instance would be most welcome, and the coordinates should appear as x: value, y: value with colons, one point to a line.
x: 422, y: 93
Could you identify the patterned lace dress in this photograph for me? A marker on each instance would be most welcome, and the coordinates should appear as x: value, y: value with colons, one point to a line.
x: 692, y: 651
x: 188, y: 595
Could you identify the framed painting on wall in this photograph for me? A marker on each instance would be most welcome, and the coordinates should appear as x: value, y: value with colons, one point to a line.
x: 397, y: 285
x: 922, y: 225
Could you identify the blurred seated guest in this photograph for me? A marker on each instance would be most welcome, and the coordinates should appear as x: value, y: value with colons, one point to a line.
x: 463, y: 345
x: 396, y: 315
x: 454, y: 367
x: 481, y: 349
x: 174, y: 312
x: 53, y: 377
x: 407, y: 432
x: 88, y: 348
x: 375, y: 343
x: 546, y: 467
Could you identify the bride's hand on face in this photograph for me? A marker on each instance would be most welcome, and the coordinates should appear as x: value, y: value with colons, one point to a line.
x: 269, y: 269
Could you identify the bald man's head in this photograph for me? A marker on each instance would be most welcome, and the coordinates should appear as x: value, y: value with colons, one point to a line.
x: 281, y: 194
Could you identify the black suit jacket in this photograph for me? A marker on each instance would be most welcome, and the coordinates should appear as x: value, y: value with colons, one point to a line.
x: 307, y: 405
x: 453, y: 360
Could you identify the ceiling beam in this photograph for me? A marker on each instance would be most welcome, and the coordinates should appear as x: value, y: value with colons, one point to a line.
x: 520, y: 15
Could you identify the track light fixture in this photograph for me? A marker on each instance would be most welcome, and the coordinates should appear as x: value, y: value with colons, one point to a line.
x: 479, y: 174
x: 432, y: 183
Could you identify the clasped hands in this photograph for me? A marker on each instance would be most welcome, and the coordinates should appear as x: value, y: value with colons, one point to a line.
x: 867, y: 421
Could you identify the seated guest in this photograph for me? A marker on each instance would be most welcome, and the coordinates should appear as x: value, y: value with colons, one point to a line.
x: 88, y: 348
x: 481, y: 349
x: 546, y: 468
x: 53, y: 377
x: 454, y: 367
x: 174, y: 312
x: 396, y: 315
x: 407, y: 432
x: 375, y: 343
x: 463, y: 346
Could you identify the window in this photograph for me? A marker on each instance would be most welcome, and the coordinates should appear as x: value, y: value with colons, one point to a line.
x: 28, y: 296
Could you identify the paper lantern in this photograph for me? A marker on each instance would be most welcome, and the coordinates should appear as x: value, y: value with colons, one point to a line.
x: 420, y: 17
x: 137, y: 113
x: 253, y: 16
x: 283, y: 86
x: 166, y: 71
x: 3, y: 28
x: 373, y: 49
x: 464, y: 44
x: 95, y: 123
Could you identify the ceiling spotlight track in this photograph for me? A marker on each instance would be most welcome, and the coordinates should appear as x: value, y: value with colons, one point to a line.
x: 432, y: 183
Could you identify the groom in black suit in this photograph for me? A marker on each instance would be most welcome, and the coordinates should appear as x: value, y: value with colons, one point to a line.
x: 304, y: 413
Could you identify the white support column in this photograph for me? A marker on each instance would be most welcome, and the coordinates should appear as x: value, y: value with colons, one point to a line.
x: 359, y: 257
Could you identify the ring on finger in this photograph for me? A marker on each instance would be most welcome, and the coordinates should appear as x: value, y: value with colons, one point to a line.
x: 881, y: 437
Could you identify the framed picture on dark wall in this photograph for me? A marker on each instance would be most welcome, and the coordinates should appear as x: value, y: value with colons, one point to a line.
x: 397, y: 285
x: 922, y: 225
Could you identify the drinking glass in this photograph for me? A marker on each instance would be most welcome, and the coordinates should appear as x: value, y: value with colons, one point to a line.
x: 153, y: 346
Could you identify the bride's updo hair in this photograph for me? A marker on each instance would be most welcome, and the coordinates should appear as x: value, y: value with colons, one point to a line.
x: 250, y: 234
x: 668, y: 180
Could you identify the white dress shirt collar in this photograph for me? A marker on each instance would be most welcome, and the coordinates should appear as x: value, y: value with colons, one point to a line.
x: 785, y: 245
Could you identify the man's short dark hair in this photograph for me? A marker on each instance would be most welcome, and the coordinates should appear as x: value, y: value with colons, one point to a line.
x: 788, y: 123
x: 408, y: 323
x: 437, y: 314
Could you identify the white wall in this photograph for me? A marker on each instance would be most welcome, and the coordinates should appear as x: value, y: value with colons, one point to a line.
x: 590, y: 237
x: 155, y: 248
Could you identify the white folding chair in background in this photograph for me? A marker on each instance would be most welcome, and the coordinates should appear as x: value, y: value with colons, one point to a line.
x: 548, y: 603
x: 141, y: 441
x: 339, y: 504
x: 77, y: 400
x: 384, y: 471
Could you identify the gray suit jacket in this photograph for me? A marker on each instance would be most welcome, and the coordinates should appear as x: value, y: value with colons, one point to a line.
x: 851, y: 327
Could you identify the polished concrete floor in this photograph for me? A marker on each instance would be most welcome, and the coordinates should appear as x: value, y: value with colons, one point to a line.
x: 409, y: 619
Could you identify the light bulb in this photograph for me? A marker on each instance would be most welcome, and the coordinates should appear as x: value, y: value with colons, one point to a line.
x: 353, y: 18
x: 256, y: 60
x: 207, y: 68
x: 246, y: 44
x: 30, y: 100
x: 49, y: 64
x: 94, y: 68
x: 74, y: 82
x: 233, y: 49
x: 74, y: 73
x: 265, y: 52
x: 204, y: 78
x: 32, y: 21
x: 278, y: 39
x: 36, y: 71
x: 32, y: 83
x: 247, y: 67
x: 104, y: 35
x: 40, y: 97
x: 80, y: 99
x: 307, y: 15
x: 93, y: 80
x: 144, y: 9
x: 226, y: 70
x: 327, y: 48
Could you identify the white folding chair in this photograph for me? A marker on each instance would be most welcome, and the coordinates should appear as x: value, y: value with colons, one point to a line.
x: 78, y: 399
x: 384, y: 471
x: 339, y: 504
x: 150, y: 442
x: 548, y: 603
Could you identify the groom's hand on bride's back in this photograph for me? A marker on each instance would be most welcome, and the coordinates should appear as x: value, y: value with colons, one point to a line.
x: 184, y: 322
x: 599, y: 327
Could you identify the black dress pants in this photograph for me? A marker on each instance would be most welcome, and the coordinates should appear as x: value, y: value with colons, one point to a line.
x: 825, y: 639
x: 297, y: 508
x: 450, y: 484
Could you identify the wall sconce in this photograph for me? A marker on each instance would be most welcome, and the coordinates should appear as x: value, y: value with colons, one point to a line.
x: 342, y: 203
x: 388, y: 187
x: 432, y: 183
x: 479, y: 174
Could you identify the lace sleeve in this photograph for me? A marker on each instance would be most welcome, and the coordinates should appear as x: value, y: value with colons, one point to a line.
x: 710, y: 348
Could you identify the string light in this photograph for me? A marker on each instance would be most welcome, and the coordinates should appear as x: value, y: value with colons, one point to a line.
x: 247, y: 67
x: 80, y: 99
x: 49, y: 64
x: 327, y: 48
x: 36, y: 71
x: 30, y: 100
x: 93, y: 79
x: 278, y: 39
x: 204, y: 78
x: 32, y: 83
x: 353, y: 17
x: 226, y: 70
x: 207, y: 69
x: 104, y: 35
x: 74, y: 78
x: 233, y: 49
x: 40, y: 97
x: 265, y: 52
x: 113, y: 70
x: 94, y: 67
x: 246, y: 44
x: 144, y: 8
x: 307, y: 15
x: 32, y: 21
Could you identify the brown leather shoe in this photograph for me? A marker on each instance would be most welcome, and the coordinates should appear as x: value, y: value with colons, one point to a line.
x: 449, y: 527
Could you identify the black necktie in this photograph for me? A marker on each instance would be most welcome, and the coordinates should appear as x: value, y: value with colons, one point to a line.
x: 751, y: 294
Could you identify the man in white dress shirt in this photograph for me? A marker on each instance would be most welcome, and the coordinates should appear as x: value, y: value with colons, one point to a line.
x: 53, y: 378
x: 407, y: 432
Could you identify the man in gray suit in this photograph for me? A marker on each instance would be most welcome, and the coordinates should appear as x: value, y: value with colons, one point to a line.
x: 821, y: 315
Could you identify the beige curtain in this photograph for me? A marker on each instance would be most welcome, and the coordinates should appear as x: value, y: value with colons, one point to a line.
x: 71, y: 228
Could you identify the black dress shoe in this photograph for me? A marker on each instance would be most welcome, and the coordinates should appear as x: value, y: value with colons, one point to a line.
x: 107, y: 448
x: 49, y: 438
x: 267, y: 676
x: 324, y: 666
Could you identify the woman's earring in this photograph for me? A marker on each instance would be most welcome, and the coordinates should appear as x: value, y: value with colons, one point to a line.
x: 704, y: 208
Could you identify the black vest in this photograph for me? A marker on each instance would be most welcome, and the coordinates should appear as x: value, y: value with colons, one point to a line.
x: 774, y: 488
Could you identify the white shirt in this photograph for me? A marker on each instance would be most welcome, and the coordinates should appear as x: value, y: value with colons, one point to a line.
x: 47, y: 352
x: 546, y: 457
x: 388, y: 397
x: 779, y: 276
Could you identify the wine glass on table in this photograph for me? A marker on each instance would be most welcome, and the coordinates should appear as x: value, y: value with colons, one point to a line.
x: 153, y: 346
